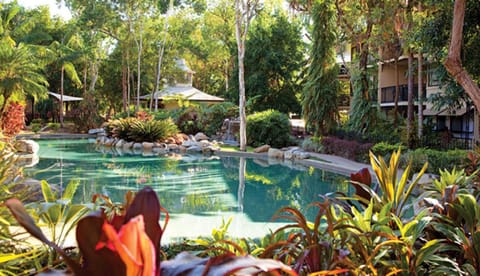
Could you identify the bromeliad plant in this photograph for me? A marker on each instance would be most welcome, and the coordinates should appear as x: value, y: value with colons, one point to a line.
x: 129, y: 244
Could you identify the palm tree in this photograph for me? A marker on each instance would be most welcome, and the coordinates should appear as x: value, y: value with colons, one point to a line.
x: 19, y: 73
x: 63, y: 55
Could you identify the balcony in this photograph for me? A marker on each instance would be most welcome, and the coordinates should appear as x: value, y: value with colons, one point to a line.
x: 388, y: 94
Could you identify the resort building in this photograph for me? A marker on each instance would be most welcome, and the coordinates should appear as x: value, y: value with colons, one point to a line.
x: 181, y: 89
x: 461, y: 123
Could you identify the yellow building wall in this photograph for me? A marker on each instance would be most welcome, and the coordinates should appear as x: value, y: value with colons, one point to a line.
x: 387, y: 74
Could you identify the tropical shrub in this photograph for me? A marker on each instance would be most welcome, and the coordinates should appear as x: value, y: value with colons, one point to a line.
x: 385, y: 149
x: 35, y: 127
x: 312, y: 144
x: 268, y: 127
x: 188, y: 119
x: 213, y: 116
x: 13, y: 119
x: 151, y: 131
x: 438, y: 160
x: 352, y: 150
x: 15, y: 254
x: 58, y: 212
x: 128, y: 243
x: 86, y: 115
x: 134, y: 129
x: 54, y: 126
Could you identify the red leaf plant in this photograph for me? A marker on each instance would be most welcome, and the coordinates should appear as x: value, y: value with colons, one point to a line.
x: 13, y: 119
x: 358, y: 179
x: 129, y: 244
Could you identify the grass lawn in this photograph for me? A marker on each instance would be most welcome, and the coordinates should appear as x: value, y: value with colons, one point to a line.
x: 234, y: 148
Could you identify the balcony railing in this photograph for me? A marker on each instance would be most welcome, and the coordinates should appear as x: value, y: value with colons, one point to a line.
x: 388, y: 93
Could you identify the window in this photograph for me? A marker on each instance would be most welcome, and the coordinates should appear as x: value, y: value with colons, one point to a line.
x: 433, y: 77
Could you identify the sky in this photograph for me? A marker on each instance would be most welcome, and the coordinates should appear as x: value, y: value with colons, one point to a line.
x: 54, y: 8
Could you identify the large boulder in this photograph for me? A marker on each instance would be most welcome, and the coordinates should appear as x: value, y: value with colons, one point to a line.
x: 120, y: 143
x: 96, y: 131
x: 275, y: 153
x: 194, y: 149
x: 201, y: 136
x: 27, y: 146
x: 261, y: 149
x: 147, y: 146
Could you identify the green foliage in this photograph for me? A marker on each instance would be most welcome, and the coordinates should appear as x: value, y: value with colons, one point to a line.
x: 394, y: 190
x: 54, y: 126
x: 312, y: 144
x: 86, y: 116
x: 35, y: 127
x: 151, y: 131
x: 384, y: 149
x: 137, y: 130
x: 320, y: 93
x: 268, y: 127
x: 134, y: 249
x: 364, y: 114
x: 272, y: 80
x: 58, y: 212
x: 201, y: 118
x: 15, y: 254
x: 214, y: 115
x: 19, y: 73
x: 438, y: 160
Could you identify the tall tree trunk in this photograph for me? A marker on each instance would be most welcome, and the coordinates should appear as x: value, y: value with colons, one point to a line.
x: 128, y: 85
x: 161, y: 50
x: 397, y: 93
x: 60, y: 108
x: 241, y: 183
x: 410, y: 105
x: 94, y: 73
x: 420, y: 96
x: 139, y: 63
x: 453, y: 63
x: 241, y: 26
x: 124, y: 85
x: 85, y: 75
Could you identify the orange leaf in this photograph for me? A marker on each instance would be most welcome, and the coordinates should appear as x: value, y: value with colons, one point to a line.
x: 133, y: 245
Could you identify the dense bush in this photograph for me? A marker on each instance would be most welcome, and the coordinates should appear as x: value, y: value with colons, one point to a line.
x: 385, y: 149
x: 352, y: 150
x: 13, y: 119
x: 86, y: 115
x: 206, y: 119
x: 268, y: 127
x: 437, y: 160
x: 137, y: 130
x: 312, y: 144
x: 214, y: 115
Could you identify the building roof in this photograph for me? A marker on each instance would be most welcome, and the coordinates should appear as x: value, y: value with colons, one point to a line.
x: 65, y: 97
x: 187, y: 92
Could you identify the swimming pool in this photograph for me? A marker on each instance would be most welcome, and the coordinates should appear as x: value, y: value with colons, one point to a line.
x: 198, y: 191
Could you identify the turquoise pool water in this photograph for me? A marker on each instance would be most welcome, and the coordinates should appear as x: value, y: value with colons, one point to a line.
x: 197, y: 191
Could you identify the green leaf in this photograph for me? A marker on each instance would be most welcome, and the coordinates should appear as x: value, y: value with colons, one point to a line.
x: 47, y: 192
x: 428, y: 251
x: 70, y: 190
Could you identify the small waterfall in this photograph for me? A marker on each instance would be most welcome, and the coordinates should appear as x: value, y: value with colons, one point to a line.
x: 230, y: 129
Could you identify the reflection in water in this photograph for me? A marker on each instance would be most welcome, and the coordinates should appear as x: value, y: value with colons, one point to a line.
x: 241, y: 182
x: 196, y: 190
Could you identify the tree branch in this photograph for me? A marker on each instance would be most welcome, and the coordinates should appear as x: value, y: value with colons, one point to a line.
x: 453, y: 63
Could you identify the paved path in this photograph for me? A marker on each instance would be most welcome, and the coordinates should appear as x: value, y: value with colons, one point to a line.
x: 334, y: 163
